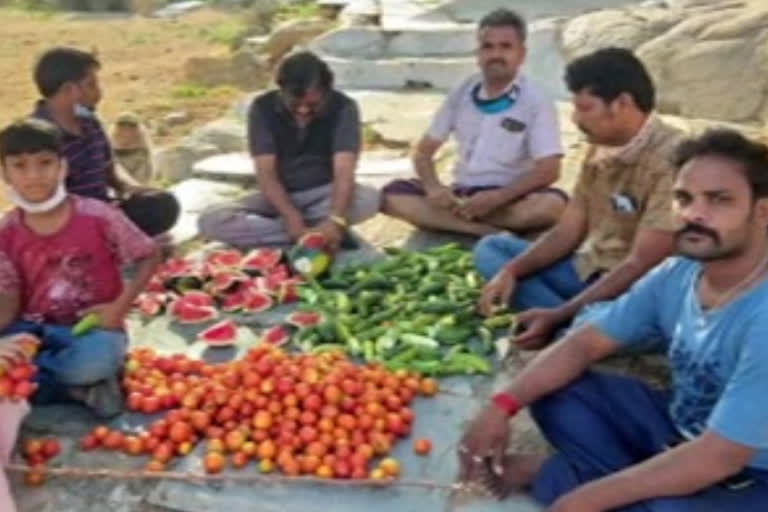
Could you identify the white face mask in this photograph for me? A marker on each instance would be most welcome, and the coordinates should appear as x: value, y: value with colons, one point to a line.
x: 58, y: 197
x: 45, y: 206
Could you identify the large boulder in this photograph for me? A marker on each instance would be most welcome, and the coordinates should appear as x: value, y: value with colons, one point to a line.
x: 625, y: 28
x: 290, y: 34
x: 708, y: 59
x: 176, y: 162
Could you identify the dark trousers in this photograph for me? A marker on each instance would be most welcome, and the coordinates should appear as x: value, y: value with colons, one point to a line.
x: 602, y: 424
x: 153, y: 211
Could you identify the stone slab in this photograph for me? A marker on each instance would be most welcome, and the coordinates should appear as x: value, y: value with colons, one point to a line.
x: 375, y: 168
x: 195, y: 195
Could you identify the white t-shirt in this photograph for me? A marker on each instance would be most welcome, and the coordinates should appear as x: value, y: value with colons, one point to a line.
x: 492, y: 150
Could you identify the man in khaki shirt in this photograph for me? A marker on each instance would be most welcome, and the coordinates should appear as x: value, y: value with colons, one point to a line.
x: 618, y: 224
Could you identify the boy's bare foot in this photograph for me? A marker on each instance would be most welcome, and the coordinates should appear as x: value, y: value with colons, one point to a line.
x: 518, y: 471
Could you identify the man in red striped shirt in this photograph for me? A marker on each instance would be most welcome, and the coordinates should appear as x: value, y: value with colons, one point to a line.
x: 67, y: 79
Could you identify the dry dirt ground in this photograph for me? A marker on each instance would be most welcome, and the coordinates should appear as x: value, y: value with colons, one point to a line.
x: 142, y: 61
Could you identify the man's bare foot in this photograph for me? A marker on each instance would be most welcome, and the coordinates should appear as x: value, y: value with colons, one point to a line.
x: 517, y: 473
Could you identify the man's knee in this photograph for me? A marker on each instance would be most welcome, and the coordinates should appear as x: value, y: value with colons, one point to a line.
x: 491, y: 250
x: 213, y: 220
x: 367, y: 203
x: 565, y: 406
x: 154, y: 212
x: 537, y: 211
x: 98, y: 356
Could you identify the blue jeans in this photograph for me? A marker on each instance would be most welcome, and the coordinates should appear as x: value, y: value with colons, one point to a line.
x: 601, y: 424
x: 548, y: 288
x: 65, y: 360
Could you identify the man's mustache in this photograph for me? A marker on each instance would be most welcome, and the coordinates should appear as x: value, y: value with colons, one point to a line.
x: 496, y: 61
x: 699, y: 230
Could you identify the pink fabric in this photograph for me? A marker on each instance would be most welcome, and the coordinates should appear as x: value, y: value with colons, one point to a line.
x: 11, y: 414
x: 60, y: 274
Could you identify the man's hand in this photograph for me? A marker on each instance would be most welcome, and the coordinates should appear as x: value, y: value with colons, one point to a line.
x: 479, y: 205
x: 575, y: 501
x: 535, y: 327
x: 295, y: 227
x: 498, y: 290
x: 332, y: 232
x: 111, y: 315
x: 441, y: 196
x: 486, y: 438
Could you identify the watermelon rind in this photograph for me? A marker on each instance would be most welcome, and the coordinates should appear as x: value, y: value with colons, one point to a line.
x: 261, y: 260
x: 186, y: 313
x: 275, y: 336
x: 220, y: 334
x: 304, y: 319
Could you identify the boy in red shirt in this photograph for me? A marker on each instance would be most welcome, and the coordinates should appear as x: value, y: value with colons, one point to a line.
x: 60, y: 259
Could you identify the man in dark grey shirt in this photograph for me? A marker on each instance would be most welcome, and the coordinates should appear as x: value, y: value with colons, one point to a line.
x: 305, y: 140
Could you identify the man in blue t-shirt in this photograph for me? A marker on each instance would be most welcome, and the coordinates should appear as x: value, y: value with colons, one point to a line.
x: 621, y: 445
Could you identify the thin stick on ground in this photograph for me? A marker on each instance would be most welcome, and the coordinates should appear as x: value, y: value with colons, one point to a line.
x: 118, y: 474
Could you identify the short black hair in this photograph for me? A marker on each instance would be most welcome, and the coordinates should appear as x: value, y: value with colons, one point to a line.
x: 301, y: 71
x: 609, y: 72
x: 60, y: 65
x: 29, y: 136
x: 730, y: 144
x: 505, y: 18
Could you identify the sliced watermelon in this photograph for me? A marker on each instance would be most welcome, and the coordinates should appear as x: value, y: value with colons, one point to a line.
x: 288, y: 292
x: 221, y: 334
x: 229, y: 258
x: 304, y: 319
x: 150, y: 303
x: 155, y: 284
x: 262, y: 284
x: 312, y: 240
x: 187, y: 313
x: 197, y: 298
x: 224, y: 281
x: 177, y: 267
x: 256, y: 302
x: 275, y: 336
x: 261, y: 260
x: 234, y: 301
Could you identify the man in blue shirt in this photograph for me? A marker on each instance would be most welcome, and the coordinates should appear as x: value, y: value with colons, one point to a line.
x: 621, y: 445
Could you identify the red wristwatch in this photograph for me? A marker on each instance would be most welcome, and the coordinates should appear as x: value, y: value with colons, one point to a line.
x: 507, y: 403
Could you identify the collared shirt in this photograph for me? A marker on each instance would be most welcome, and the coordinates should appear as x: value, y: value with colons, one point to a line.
x: 304, y: 154
x: 626, y: 191
x: 495, y: 149
x: 88, y: 154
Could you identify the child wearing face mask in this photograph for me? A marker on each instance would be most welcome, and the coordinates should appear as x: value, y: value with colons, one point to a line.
x: 60, y: 260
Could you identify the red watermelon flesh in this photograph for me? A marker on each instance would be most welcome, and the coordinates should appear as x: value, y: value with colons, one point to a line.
x: 261, y: 260
x: 187, y: 313
x: 304, y: 319
x: 197, y: 298
x: 225, y: 280
x: 312, y: 240
x: 275, y: 336
x: 225, y: 258
x: 150, y: 303
x: 220, y: 334
x: 234, y: 301
x: 256, y: 302
x: 177, y: 267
